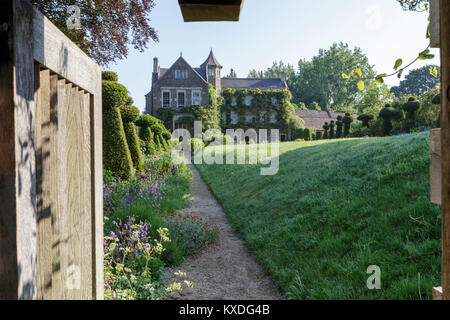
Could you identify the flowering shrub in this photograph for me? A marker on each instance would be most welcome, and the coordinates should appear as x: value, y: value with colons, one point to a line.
x: 194, y: 232
x: 132, y: 262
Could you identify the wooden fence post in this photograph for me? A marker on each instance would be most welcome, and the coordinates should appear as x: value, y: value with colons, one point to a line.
x: 445, y: 142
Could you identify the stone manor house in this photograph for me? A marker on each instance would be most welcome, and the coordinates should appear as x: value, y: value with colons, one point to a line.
x: 183, y: 86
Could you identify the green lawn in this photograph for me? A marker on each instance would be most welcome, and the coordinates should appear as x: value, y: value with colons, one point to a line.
x: 335, y: 208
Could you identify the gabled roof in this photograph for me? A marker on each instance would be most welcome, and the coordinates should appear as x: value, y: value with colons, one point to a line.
x: 201, y: 72
x: 315, y: 119
x: 249, y: 83
x: 211, y: 61
x: 166, y: 71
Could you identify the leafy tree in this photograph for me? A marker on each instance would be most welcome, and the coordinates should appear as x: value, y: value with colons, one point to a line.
x: 256, y: 74
x: 321, y: 78
x: 232, y: 74
x: 417, y: 82
x: 414, y: 5
x: 107, y: 27
x: 373, y: 99
x: 314, y: 106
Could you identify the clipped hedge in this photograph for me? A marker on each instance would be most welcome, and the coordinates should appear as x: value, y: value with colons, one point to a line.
x: 307, y: 134
x: 110, y: 76
x: 116, y: 154
x: 129, y: 115
x: 114, y: 94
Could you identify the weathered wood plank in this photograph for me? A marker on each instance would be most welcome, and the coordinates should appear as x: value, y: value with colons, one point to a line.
x: 58, y: 53
x: 97, y: 185
x: 61, y: 174
x: 445, y: 142
x: 435, y: 29
x: 44, y: 198
x: 17, y: 159
x: 435, y: 166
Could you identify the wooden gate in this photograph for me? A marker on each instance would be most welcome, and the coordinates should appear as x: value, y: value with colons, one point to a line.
x: 51, y: 237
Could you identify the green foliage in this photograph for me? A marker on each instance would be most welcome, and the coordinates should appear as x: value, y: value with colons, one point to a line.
x: 197, y: 145
x: 365, y: 119
x: 116, y: 154
x: 319, y: 135
x: 307, y: 134
x: 331, y: 134
x: 195, y: 233
x: 129, y: 115
x: 114, y: 94
x: 110, y: 76
x: 347, y: 120
x: 340, y: 206
x: 261, y: 103
x: 339, y: 127
x: 388, y: 114
x: 326, y: 127
x: 417, y: 82
x: 373, y: 99
x: 320, y: 79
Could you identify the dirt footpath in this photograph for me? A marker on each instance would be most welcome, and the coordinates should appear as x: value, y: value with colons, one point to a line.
x: 225, y: 271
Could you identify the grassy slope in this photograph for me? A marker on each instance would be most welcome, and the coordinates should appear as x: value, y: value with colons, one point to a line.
x: 334, y: 209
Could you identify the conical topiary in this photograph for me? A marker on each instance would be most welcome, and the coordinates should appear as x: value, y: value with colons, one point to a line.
x: 129, y: 115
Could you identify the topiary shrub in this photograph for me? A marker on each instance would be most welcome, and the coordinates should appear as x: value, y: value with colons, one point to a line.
x: 110, y: 76
x: 299, y: 133
x: 116, y: 155
x: 332, y: 134
x: 348, y: 120
x: 129, y: 115
x: 365, y: 119
x: 388, y: 114
x: 319, y: 135
x: 307, y: 134
x: 114, y: 94
x: 326, y: 126
x: 411, y: 107
x: 339, y: 127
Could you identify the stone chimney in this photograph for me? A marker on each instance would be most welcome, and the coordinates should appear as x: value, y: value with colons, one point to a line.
x: 156, y: 70
x: 282, y: 76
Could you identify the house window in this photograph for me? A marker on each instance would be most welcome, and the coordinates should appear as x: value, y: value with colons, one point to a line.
x: 196, y: 98
x: 262, y: 118
x: 166, y: 99
x: 181, y: 74
x: 212, y: 72
x: 234, y: 101
x: 248, y: 118
x: 248, y: 100
x: 273, y: 118
x: 181, y: 99
x: 274, y: 101
x: 234, y: 118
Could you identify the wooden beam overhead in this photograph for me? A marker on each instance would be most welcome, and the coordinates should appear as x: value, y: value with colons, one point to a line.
x: 211, y: 10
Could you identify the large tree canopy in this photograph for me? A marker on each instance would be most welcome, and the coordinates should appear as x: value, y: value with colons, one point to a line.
x: 107, y: 26
x: 414, y: 5
x: 321, y: 79
x: 417, y: 82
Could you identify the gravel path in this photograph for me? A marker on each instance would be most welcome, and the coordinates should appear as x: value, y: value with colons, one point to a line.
x: 225, y: 271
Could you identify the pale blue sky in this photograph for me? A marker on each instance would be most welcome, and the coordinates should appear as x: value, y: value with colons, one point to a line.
x: 287, y: 30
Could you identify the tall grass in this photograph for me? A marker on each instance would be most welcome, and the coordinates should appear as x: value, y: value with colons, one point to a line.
x: 335, y: 208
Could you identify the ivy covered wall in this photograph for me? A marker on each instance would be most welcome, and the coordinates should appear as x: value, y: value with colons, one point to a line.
x: 268, y: 109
